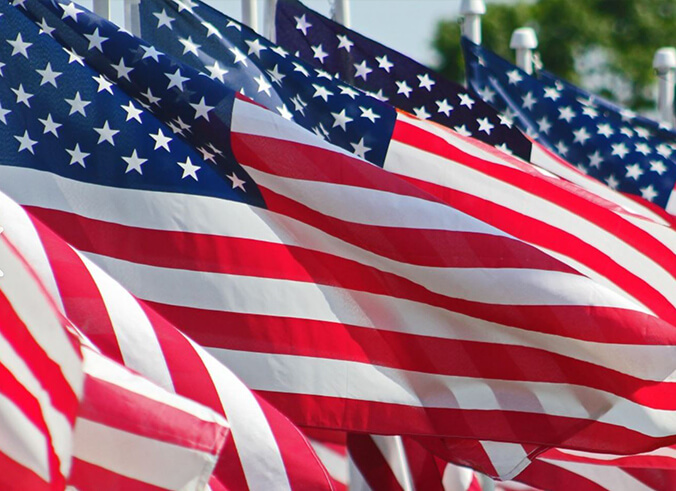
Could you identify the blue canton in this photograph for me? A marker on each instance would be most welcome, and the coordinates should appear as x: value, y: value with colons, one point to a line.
x: 629, y: 153
x: 393, y: 77
x: 130, y: 122
x: 231, y: 53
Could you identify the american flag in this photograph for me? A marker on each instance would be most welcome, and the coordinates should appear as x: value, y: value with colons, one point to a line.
x: 338, y: 309
x: 627, y: 152
x: 304, y: 31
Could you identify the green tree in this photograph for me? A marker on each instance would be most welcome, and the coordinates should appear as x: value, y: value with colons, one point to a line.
x: 616, y: 38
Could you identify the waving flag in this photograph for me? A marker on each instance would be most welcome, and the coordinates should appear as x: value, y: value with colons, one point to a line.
x: 627, y: 152
x: 347, y: 296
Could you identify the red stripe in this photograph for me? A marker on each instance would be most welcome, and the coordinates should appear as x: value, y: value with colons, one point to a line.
x: 81, y: 298
x: 14, y: 476
x: 90, y: 477
x: 423, y: 466
x: 371, y: 463
x: 544, y: 475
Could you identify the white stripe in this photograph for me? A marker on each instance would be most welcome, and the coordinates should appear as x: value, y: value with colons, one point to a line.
x: 335, y: 462
x: 669, y: 452
x: 430, y: 167
x: 611, y: 478
x: 392, y: 450
x: 247, y: 222
x: 304, y: 300
x: 508, y: 459
x: 456, y: 478
x: 21, y: 440
x: 256, y: 444
x: 357, y: 481
x: 147, y: 460
x: 367, y: 382
x: 135, y: 335
x: 671, y: 203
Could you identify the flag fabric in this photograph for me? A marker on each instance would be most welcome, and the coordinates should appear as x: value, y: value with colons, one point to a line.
x: 627, y: 152
x: 264, y: 448
x: 72, y: 417
x: 317, y: 305
x: 400, y: 81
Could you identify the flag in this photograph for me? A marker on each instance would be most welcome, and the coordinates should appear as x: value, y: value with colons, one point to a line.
x: 422, y: 321
x: 264, y: 448
x: 626, y: 151
x: 400, y: 81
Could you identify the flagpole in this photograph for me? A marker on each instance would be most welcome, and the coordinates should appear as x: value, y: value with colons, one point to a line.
x: 524, y: 41
x: 341, y: 12
x: 250, y: 14
x: 664, y: 64
x: 472, y: 10
x: 102, y: 8
x: 270, y: 8
x: 132, y: 20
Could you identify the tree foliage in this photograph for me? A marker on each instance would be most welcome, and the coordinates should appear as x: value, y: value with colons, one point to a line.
x: 616, y: 38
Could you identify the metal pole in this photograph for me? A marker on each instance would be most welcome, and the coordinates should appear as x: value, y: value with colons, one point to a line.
x: 472, y: 10
x: 102, y: 8
x: 664, y: 64
x: 250, y: 14
x: 270, y: 9
x: 524, y: 41
x: 132, y: 17
x: 341, y: 12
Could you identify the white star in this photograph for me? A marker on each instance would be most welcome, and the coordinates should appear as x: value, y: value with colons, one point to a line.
x: 348, y: 91
x: 45, y: 28
x: 605, y: 130
x: 321, y: 91
x: 344, y: 42
x: 150, y: 52
x: 77, y: 156
x: 529, y: 101
x: 487, y: 94
x: 263, y: 85
x: 163, y: 19
x: 552, y: 93
x: 161, y: 140
x: 122, y: 70
x: 188, y: 169
x: 462, y: 130
x: 485, y: 125
x: 77, y: 105
x: 627, y: 114
x: 216, y: 71
x: 74, y: 57
x: 19, y: 46
x: 658, y: 166
x: 384, y: 63
x: 561, y: 148
x: 234, y: 25
x: 642, y: 132
x: 444, y: 107
x: 612, y: 182
x: 581, y: 135
x: 590, y: 111
x: 425, y: 82
x: 22, y: 96
x: 96, y: 40
x: 280, y: 51
x: 71, y: 11
x: 362, y: 70
x: 3, y: 114
x: 595, y: 159
x: 378, y: 95
x: 201, y: 109
x: 620, y: 149
x: 298, y: 104
x: 626, y: 131
x: 504, y: 148
x: 26, y: 143
x: 664, y: 150
x: 634, y: 171
x: 176, y: 79
x: 255, y: 47
x: 642, y: 148
x: 284, y: 112
x: 275, y: 75
x: 239, y: 56
x: 134, y: 162
x: 106, y: 133
x: 369, y: 114
x: 649, y: 192
x: 1, y: 65
x: 566, y: 113
x: 421, y: 113
x: 514, y: 77
x: 151, y: 98
x: 297, y: 67
x: 132, y: 112
x: 319, y: 53
x: 189, y: 46
x: 211, y: 30
x: 466, y: 100
x: 302, y: 24
x: 359, y: 149
x: 506, y: 119
x: 206, y: 154
x: 403, y: 88
x: 236, y: 182
x: 341, y: 119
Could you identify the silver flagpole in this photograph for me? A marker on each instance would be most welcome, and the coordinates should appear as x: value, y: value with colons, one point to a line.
x: 132, y: 21
x: 341, y: 12
x: 250, y: 14
x: 471, y: 11
x: 102, y: 8
x: 524, y: 41
x: 270, y: 7
x: 664, y: 64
